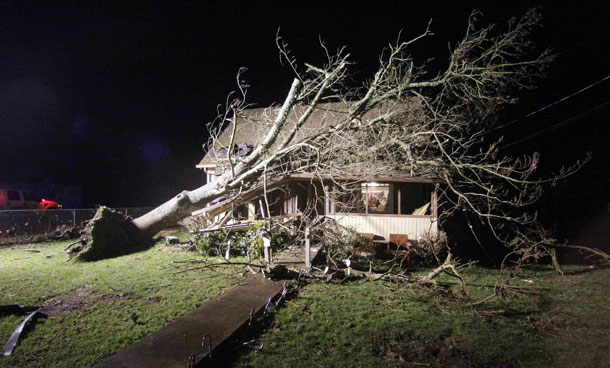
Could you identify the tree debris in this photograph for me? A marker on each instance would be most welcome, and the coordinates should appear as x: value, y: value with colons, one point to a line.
x: 12, y: 342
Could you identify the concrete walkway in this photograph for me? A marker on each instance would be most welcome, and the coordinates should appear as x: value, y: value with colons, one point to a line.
x: 218, y: 317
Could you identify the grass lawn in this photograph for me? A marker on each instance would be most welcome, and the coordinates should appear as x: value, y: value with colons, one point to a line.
x: 94, y: 309
x: 362, y: 324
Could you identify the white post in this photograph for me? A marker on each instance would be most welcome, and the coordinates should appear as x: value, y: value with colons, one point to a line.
x: 251, y: 211
x: 228, y: 249
x: 260, y: 204
x: 307, y: 249
x: 266, y: 246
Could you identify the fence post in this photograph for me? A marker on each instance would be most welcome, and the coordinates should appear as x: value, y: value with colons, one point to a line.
x: 307, y: 249
x: 73, y: 217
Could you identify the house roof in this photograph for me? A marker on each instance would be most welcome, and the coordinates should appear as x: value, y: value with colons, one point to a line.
x: 253, y: 124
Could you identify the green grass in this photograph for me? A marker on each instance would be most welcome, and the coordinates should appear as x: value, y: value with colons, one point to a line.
x: 363, y: 324
x: 99, y: 307
x: 112, y: 303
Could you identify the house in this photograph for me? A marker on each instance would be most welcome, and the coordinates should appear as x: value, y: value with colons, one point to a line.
x: 380, y: 202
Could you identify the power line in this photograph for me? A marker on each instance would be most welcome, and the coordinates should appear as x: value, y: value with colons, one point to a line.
x: 559, y: 125
x: 550, y: 105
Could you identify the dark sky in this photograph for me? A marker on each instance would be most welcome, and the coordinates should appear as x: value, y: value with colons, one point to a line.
x: 115, y: 98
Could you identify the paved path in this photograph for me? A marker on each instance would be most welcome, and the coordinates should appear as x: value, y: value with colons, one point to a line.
x: 218, y: 317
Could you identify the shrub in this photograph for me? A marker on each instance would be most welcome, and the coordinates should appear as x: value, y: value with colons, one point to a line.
x: 243, y: 242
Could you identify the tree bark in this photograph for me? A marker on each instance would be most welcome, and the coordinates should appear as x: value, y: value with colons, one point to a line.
x: 122, y: 233
x: 182, y: 205
x: 174, y: 210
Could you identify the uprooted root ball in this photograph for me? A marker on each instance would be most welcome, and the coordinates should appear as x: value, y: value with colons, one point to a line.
x: 108, y: 234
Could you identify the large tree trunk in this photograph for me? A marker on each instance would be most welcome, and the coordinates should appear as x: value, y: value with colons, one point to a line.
x: 181, y: 206
x: 110, y: 234
x: 174, y: 210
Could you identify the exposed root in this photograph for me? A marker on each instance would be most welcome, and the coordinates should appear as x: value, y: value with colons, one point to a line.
x: 108, y: 234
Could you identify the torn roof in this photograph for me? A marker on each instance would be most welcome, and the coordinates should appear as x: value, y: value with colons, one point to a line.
x: 252, y: 125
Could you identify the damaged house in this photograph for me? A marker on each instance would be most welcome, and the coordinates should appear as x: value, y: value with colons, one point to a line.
x: 387, y: 204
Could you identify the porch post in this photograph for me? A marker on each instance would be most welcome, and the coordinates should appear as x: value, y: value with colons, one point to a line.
x: 399, y: 204
x: 307, y: 249
x: 435, y: 201
x: 266, y: 245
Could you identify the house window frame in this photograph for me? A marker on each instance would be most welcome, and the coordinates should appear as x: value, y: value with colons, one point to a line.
x: 370, y: 195
x: 331, y: 207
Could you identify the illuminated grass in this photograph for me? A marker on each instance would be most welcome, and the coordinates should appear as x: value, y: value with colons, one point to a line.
x: 363, y: 324
x: 357, y: 324
x: 99, y: 307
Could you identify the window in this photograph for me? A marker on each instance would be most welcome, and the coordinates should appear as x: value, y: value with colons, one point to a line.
x: 348, y: 200
x: 29, y: 196
x: 13, y: 195
x: 415, y: 199
x: 377, y: 197
x: 210, y: 175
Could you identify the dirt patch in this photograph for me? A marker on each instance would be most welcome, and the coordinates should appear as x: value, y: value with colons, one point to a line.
x: 78, y: 300
x: 409, y: 350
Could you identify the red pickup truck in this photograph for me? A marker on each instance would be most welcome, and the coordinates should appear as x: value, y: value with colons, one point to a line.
x: 18, y: 199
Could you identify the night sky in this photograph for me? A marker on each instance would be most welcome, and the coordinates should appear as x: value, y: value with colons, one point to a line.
x: 115, y: 98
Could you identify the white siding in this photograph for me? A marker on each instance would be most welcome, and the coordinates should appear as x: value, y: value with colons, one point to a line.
x: 386, y: 225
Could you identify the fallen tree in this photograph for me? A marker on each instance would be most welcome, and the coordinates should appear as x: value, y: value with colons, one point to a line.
x: 432, y: 126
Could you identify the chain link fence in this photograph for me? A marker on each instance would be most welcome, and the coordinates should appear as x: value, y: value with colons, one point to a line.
x: 28, y: 225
